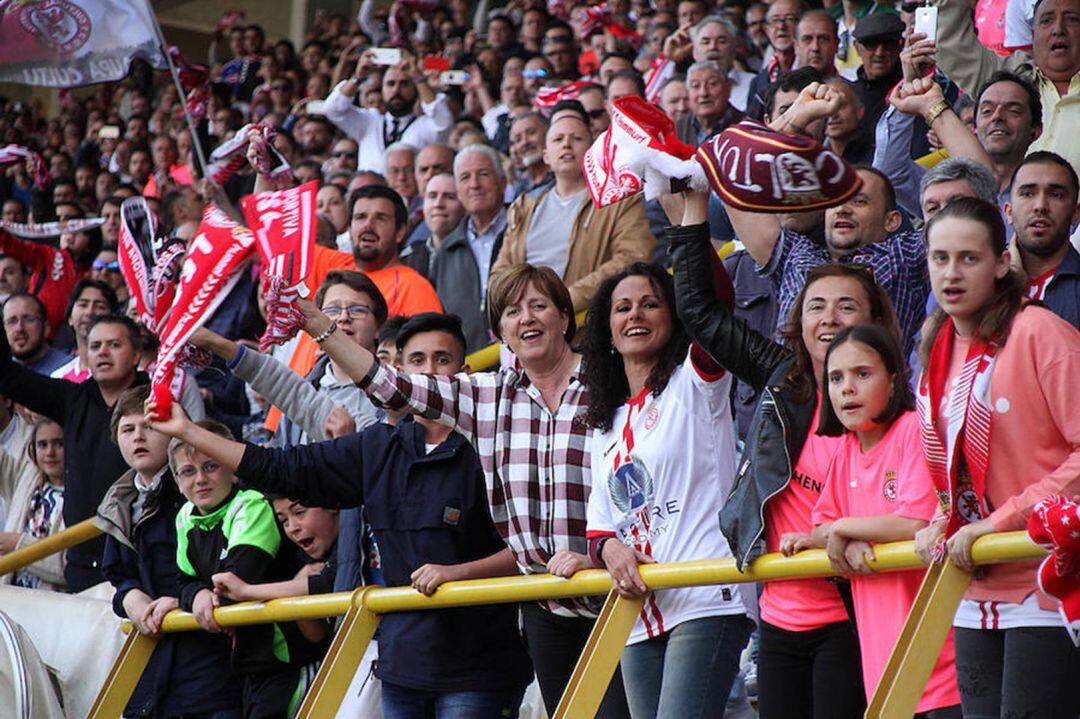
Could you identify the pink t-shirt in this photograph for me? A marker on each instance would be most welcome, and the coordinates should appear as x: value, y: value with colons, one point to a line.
x: 892, y: 478
x: 800, y: 605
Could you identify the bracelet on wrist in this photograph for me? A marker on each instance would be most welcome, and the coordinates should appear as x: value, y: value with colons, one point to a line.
x: 325, y: 335
x: 935, y: 111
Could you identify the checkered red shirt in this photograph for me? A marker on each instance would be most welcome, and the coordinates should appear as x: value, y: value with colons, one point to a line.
x: 536, y: 462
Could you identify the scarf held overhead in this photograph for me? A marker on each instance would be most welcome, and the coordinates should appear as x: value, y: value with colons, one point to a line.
x: 210, y: 270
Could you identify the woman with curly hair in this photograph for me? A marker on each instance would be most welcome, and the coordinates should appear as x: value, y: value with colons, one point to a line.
x: 663, y: 460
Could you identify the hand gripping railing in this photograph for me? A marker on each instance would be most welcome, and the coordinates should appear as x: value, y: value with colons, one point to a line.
x: 896, y: 696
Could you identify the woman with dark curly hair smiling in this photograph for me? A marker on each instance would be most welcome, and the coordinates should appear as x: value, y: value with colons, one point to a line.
x: 663, y: 460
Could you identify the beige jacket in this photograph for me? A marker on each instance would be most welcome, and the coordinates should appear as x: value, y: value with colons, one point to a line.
x: 603, y: 240
x: 51, y: 568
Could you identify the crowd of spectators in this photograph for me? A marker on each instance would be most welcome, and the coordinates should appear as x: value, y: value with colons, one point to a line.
x: 831, y: 378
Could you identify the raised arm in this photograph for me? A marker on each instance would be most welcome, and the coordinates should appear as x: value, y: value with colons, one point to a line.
x: 923, y: 97
x: 322, y: 474
x: 961, y: 56
x: 728, y: 339
x: 44, y: 395
x: 285, y: 389
x: 35, y: 255
x: 760, y: 232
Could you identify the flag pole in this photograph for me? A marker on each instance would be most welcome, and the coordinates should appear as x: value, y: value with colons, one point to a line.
x: 196, y: 143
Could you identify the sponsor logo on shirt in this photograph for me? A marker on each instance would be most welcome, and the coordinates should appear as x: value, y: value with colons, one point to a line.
x: 806, y: 481
x: 651, y: 417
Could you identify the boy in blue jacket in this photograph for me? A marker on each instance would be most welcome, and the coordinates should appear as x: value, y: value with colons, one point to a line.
x: 423, y: 492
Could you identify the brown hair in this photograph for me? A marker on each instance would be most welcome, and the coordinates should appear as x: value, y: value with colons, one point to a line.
x: 801, y: 376
x: 131, y: 401
x: 887, y: 347
x: 358, y: 282
x: 210, y: 425
x: 507, y: 287
x: 1008, y: 298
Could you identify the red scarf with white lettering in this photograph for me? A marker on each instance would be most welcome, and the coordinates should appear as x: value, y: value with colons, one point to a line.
x: 210, y: 270
x: 1055, y: 525
x: 958, y: 461
x: 285, y: 224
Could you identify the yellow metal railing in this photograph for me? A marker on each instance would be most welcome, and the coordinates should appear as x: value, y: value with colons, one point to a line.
x: 54, y: 543
x: 900, y: 689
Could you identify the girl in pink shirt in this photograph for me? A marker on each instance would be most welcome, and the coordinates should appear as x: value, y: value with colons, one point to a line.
x: 998, y: 383
x: 878, y: 490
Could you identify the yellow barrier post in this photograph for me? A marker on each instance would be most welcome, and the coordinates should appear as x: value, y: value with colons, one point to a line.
x: 124, y: 675
x: 920, y: 642
x: 353, y: 637
x: 594, y: 669
x: 53, y: 544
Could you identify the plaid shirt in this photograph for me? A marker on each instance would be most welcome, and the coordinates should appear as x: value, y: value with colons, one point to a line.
x: 536, y: 462
x: 898, y: 264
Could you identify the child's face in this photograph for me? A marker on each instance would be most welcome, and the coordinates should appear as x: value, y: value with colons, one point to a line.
x: 144, y: 449
x: 859, y: 385
x: 313, y: 529
x: 202, y: 481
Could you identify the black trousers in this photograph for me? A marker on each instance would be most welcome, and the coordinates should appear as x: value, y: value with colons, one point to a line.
x: 810, y: 675
x: 555, y: 644
x: 1024, y: 672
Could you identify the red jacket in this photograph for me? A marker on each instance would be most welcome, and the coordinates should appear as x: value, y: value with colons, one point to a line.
x: 54, y: 275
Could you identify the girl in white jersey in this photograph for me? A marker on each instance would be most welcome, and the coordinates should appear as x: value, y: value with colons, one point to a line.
x: 663, y: 460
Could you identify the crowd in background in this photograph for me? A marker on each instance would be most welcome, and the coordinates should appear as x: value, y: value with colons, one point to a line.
x: 831, y: 378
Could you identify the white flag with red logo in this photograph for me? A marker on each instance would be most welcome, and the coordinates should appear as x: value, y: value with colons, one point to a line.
x: 67, y: 43
x: 549, y: 97
x: 210, y: 270
x: 284, y: 223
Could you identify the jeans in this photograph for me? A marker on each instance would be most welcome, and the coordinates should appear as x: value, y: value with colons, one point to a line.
x: 400, y: 702
x: 685, y: 673
x: 1024, y: 672
x: 815, y: 674
x: 555, y: 644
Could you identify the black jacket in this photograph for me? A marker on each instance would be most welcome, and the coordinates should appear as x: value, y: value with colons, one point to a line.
x: 424, y: 508
x: 780, y: 423
x: 188, y: 672
x: 91, y: 461
x: 456, y: 278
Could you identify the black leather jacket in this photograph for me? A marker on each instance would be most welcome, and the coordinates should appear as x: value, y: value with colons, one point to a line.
x: 780, y: 422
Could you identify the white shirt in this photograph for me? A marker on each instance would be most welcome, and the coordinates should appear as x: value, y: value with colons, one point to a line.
x: 483, y: 245
x: 490, y: 120
x: 369, y: 128
x: 661, y: 496
x: 740, y: 88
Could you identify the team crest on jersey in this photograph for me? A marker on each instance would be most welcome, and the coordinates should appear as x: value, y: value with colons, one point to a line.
x: 889, y: 489
x: 58, y: 24
x: 652, y: 417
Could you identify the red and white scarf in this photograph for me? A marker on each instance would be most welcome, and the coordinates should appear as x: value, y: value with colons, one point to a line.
x: 959, y: 460
x: 44, y: 230
x: 1055, y: 525
x: 639, y: 152
x: 229, y: 157
x: 210, y: 270
x: 285, y: 224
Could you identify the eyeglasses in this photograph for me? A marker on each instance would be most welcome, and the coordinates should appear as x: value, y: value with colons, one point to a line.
x: 596, y: 114
x: 342, y: 153
x: 533, y: 74
x: 17, y: 320
x: 189, y: 471
x: 356, y: 312
x: 100, y: 265
x: 782, y: 20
